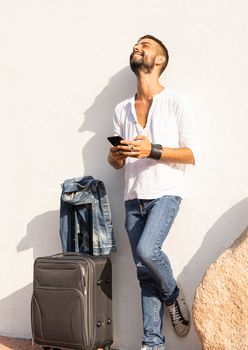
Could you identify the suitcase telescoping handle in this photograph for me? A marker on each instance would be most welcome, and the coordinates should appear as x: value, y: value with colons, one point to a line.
x: 75, y: 240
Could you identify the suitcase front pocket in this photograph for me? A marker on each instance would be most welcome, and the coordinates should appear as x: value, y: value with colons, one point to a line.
x: 58, y: 316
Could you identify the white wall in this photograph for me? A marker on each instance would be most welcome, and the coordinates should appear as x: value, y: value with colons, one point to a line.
x: 64, y: 65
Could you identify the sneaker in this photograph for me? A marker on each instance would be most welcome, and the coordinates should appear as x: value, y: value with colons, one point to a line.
x: 179, y: 315
x: 152, y: 347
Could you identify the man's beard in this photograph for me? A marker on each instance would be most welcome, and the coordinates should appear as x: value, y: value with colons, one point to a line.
x: 141, y: 65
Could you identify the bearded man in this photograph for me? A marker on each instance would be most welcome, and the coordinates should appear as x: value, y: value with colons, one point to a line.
x: 159, y: 139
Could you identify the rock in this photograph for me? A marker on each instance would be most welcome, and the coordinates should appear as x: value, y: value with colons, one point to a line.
x: 220, y: 308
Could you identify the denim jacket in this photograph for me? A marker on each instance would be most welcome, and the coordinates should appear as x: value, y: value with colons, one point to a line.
x: 85, y: 217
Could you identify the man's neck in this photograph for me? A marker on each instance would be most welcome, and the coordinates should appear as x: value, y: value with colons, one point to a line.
x: 147, y: 86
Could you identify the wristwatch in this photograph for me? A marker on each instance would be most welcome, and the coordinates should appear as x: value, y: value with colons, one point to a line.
x: 156, y: 151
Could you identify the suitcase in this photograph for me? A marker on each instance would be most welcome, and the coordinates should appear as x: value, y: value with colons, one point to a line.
x: 71, y: 305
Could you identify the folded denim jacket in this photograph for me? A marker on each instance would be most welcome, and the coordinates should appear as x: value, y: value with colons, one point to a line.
x: 85, y: 217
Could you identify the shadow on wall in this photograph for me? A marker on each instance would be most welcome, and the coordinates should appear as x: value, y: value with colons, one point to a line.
x: 219, y: 237
x: 42, y: 235
x: 43, y: 231
x: 15, y: 313
x: 98, y: 120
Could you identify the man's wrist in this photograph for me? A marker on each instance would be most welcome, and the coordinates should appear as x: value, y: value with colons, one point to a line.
x: 156, y: 152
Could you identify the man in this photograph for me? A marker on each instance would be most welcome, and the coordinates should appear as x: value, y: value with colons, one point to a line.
x: 160, y: 138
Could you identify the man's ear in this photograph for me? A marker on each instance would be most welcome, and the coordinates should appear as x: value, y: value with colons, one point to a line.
x: 160, y: 59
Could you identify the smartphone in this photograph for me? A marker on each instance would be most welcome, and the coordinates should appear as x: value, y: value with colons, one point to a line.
x: 115, y: 140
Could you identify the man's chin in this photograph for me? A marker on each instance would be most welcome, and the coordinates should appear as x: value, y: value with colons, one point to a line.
x: 138, y: 67
x: 135, y: 66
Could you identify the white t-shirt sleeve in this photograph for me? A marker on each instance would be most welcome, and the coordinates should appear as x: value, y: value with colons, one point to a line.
x: 187, y: 128
x: 116, y: 124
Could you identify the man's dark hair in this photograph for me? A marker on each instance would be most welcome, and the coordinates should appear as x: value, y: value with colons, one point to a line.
x: 163, y: 47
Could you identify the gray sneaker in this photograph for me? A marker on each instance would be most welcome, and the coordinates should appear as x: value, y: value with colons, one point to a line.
x: 155, y: 347
x: 179, y: 315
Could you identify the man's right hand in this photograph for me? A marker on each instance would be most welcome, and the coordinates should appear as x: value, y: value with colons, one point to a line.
x: 116, y: 153
x: 116, y: 158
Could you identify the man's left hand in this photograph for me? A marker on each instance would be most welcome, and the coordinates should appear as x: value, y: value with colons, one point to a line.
x: 140, y: 147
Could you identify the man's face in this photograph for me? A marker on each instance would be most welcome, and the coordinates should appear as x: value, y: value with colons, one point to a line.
x: 143, y: 57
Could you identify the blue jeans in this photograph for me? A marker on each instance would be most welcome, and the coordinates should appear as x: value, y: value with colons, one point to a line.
x: 148, y: 223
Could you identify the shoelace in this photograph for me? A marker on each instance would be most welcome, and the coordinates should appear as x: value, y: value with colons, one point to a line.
x: 145, y: 347
x: 175, y: 314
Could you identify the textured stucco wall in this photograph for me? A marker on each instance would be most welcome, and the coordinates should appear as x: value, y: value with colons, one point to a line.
x: 64, y: 65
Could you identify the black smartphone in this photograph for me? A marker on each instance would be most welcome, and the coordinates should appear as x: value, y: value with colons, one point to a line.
x: 115, y: 140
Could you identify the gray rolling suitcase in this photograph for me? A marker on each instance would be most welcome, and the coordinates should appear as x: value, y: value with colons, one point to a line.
x: 71, y: 305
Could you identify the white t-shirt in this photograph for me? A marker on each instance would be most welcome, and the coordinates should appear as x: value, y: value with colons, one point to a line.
x: 170, y: 123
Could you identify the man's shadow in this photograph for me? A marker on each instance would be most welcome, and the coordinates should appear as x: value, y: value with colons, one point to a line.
x: 98, y: 121
x: 43, y: 231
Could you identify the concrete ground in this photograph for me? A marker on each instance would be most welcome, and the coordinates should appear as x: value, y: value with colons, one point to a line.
x: 7, y: 343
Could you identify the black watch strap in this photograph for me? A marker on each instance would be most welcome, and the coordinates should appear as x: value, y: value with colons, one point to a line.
x: 156, y: 152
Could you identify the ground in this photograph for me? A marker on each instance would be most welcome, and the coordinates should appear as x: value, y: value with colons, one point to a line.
x: 7, y: 343
x: 16, y: 344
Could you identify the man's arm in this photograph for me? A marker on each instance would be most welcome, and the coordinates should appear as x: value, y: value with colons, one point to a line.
x: 178, y: 155
x: 142, y: 148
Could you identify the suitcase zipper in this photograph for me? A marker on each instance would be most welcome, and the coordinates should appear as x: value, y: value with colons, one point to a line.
x: 92, y: 332
x: 84, y: 280
x: 75, y: 290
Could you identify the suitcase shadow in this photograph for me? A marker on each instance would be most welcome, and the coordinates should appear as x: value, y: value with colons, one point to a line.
x: 17, y: 307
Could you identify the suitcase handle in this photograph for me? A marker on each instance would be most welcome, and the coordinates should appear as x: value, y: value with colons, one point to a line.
x: 66, y: 254
x: 72, y: 254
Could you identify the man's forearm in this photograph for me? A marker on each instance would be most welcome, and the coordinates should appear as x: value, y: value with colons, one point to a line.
x: 142, y: 148
x: 178, y: 155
